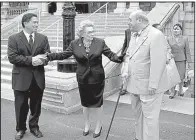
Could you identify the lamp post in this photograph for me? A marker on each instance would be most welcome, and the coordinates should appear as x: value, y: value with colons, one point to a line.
x: 68, y: 14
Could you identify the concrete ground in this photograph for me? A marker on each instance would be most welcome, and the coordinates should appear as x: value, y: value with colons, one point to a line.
x: 56, y: 126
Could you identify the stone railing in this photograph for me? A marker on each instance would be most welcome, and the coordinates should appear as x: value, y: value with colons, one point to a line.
x: 11, y: 12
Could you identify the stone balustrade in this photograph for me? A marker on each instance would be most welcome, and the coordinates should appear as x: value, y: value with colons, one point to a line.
x: 11, y: 12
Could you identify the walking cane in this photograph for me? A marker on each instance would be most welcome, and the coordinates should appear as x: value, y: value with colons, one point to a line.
x: 114, y: 112
x: 115, y: 106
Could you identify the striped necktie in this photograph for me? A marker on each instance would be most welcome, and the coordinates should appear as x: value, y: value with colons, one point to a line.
x: 31, y: 41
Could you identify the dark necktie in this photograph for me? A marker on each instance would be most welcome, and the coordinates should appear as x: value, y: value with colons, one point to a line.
x: 31, y: 41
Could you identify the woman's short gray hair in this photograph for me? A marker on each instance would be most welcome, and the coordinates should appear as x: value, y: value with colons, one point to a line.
x: 83, y: 24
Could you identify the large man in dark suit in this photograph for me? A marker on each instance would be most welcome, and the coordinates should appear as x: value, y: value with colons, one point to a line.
x: 28, y: 78
x: 123, y: 52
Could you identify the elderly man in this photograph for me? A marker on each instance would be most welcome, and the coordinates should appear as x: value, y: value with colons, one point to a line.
x: 144, y: 71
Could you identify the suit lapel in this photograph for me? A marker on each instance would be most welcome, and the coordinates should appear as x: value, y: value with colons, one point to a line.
x: 24, y: 40
x: 140, y: 41
x: 82, y: 48
x: 92, y: 47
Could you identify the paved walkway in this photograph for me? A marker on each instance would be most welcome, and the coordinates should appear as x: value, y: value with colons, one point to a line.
x: 182, y: 105
x: 57, y: 126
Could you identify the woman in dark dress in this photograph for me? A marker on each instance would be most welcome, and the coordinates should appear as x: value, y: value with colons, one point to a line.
x: 88, y: 51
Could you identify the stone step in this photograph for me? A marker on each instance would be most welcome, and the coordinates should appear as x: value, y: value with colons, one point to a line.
x: 6, y: 71
x: 98, y: 31
x: 7, y: 65
x: 4, y: 41
x: 52, y: 43
x: 4, y: 49
x: 51, y: 107
x: 53, y: 93
x: 4, y: 56
x: 7, y: 87
x: 97, y: 26
x: 52, y: 98
x: 96, y: 21
x: 96, y: 35
x: 6, y: 79
x: 84, y: 16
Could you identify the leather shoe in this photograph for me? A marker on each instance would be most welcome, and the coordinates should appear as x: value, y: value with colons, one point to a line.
x: 37, y: 133
x: 19, y: 135
x: 97, y: 135
x: 85, y: 133
x: 123, y: 92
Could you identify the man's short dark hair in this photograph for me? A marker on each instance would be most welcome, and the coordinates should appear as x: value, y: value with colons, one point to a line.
x: 155, y: 25
x: 27, y: 17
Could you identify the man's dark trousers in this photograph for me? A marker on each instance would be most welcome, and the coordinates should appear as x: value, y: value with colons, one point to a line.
x: 22, y: 105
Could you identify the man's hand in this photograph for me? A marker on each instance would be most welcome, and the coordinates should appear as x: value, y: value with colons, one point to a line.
x: 124, y: 77
x: 151, y: 91
x: 38, y: 60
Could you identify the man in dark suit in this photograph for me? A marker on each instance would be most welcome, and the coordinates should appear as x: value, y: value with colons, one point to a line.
x: 123, y: 52
x: 28, y: 77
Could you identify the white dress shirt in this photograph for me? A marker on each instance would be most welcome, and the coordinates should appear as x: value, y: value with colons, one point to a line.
x: 27, y: 35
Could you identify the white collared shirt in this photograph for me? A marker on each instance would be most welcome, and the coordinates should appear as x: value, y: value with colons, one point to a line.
x: 27, y: 35
x: 137, y: 37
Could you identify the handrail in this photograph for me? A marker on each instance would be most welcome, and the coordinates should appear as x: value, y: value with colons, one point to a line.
x: 174, y: 8
x: 51, y: 25
x: 97, y: 10
x: 58, y: 22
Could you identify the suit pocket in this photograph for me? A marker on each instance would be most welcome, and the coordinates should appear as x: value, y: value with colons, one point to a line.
x: 98, y: 71
x: 15, y: 71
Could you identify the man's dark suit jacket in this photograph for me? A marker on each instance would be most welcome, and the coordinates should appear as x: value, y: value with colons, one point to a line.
x: 126, y: 41
x: 20, y: 55
x: 89, y: 68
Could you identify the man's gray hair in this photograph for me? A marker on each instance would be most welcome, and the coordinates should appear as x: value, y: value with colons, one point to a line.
x: 82, y: 25
x: 139, y: 14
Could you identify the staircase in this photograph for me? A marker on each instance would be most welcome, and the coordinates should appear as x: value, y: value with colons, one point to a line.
x: 55, y: 94
x: 53, y: 99
x: 113, y: 29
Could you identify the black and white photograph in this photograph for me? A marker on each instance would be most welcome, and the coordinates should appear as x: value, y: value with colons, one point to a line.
x: 98, y: 70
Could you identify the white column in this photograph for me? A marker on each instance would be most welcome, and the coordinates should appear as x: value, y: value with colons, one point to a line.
x: 59, y: 8
x: 121, y: 7
x: 44, y: 10
x: 133, y: 6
